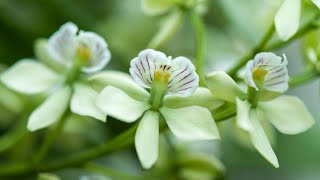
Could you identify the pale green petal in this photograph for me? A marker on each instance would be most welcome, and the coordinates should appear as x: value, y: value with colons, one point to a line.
x: 202, y: 97
x: 155, y: 7
x: 223, y: 86
x: 83, y: 102
x: 119, y: 80
x: 42, y: 54
x: 29, y: 77
x: 50, y: 110
x: 287, y: 19
x: 119, y: 105
x: 243, y: 121
x: 191, y: 123
x: 317, y: 3
x: 260, y: 141
x: 288, y: 114
x: 147, y: 139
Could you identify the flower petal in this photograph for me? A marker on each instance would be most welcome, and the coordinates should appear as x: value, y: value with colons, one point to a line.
x: 183, y: 80
x: 29, y: 77
x: 147, y: 139
x: 243, y: 121
x: 287, y: 19
x: 223, y: 86
x: 99, y: 52
x: 50, y: 110
x: 83, y: 102
x: 202, y: 97
x: 61, y: 45
x: 260, y: 140
x: 119, y: 80
x: 42, y: 54
x: 191, y: 123
x: 317, y: 3
x: 155, y: 7
x: 116, y: 103
x: 143, y: 67
x: 288, y: 114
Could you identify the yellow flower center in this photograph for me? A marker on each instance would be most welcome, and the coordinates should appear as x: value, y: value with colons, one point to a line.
x: 83, y: 53
x: 162, y: 74
x: 259, y: 74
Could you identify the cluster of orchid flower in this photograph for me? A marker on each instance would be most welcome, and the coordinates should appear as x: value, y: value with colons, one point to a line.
x: 172, y: 93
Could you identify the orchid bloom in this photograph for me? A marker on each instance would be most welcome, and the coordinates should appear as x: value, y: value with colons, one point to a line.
x: 172, y: 84
x: 287, y: 19
x: 78, y: 52
x: 266, y: 72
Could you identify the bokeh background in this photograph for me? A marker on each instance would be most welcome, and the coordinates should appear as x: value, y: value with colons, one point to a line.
x: 233, y: 27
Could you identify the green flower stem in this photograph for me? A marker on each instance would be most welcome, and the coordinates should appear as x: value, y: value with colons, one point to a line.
x: 304, y: 77
x: 109, y: 172
x: 253, y: 96
x: 198, y: 26
x: 159, y: 88
x: 168, y: 29
x: 14, y: 135
x: 224, y: 112
x: 50, y: 138
x: 265, y: 39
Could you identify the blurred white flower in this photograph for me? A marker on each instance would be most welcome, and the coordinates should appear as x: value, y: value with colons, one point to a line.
x: 85, y: 51
x: 69, y: 46
x: 167, y: 79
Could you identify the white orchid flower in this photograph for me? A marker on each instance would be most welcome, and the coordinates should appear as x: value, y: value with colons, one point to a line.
x: 170, y: 82
x: 76, y: 51
x: 287, y: 113
x: 287, y: 18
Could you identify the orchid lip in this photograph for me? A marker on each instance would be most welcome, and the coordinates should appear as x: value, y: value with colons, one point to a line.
x: 177, y: 74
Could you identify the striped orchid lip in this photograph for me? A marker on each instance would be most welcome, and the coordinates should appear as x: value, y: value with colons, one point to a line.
x: 269, y: 68
x: 178, y: 74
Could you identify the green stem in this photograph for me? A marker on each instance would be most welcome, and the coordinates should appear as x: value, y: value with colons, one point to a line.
x: 119, y: 142
x: 304, y: 77
x: 198, y: 27
x: 50, y: 138
x: 265, y: 39
x: 118, y: 175
x: 168, y: 29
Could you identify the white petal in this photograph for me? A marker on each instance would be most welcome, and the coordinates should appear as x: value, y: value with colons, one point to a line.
x: 202, y: 97
x: 183, y: 80
x: 119, y: 80
x: 243, y: 121
x: 155, y: 7
x: 260, y: 140
x: 248, y: 78
x: 287, y: 19
x: 50, y: 110
x: 83, y: 102
x: 61, y: 45
x: 288, y: 114
x: 317, y: 3
x: 118, y: 104
x: 191, y: 123
x: 29, y: 77
x: 223, y: 86
x: 99, y: 52
x: 143, y: 67
x: 147, y: 139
